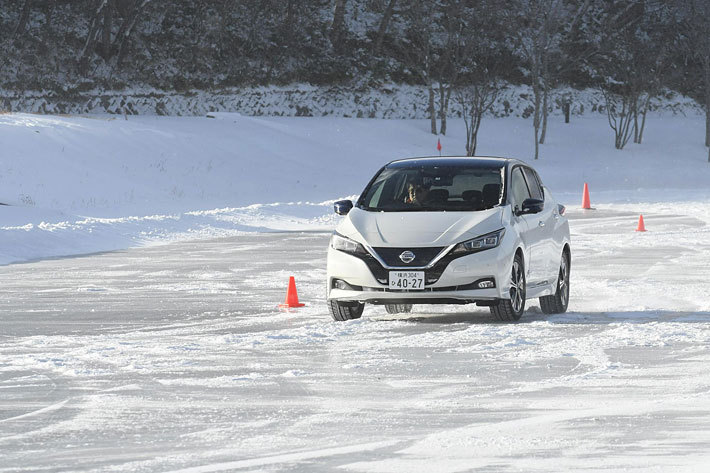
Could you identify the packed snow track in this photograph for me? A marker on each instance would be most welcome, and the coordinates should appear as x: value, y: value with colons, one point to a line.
x: 176, y: 358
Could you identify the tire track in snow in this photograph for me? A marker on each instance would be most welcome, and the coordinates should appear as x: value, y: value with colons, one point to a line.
x: 287, y: 457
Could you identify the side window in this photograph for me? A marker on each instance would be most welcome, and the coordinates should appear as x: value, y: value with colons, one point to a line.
x: 533, y: 184
x: 539, y: 181
x: 377, y: 196
x: 518, y: 188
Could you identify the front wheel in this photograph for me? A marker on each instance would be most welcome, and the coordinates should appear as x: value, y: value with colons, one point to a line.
x: 398, y: 308
x: 342, y: 311
x: 510, y: 310
x: 558, y: 302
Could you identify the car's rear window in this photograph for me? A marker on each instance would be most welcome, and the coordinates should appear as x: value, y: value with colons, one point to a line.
x: 433, y: 188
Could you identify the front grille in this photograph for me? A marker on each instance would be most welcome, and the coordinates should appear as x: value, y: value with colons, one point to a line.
x: 422, y: 256
x: 432, y: 274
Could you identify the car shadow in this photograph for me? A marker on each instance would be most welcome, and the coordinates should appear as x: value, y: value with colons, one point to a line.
x: 481, y: 316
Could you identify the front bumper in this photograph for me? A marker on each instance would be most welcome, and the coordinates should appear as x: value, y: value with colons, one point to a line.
x: 455, y: 284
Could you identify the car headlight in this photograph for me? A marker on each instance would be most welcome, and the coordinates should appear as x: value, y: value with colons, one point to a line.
x: 339, y: 242
x: 483, y: 242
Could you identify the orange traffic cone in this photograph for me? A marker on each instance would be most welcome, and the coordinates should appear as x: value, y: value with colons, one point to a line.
x: 585, y: 198
x: 291, y: 295
x: 641, y: 227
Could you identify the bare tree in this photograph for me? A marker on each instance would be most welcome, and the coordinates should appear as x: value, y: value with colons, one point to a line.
x: 419, y: 47
x: 451, y: 62
x: 632, y: 62
x: 541, y: 28
x: 106, y: 28
x: 537, y: 33
x: 337, y: 26
x: 384, y: 23
x: 101, y: 25
x: 620, y: 113
x: 24, y: 16
x: 134, y: 10
x: 480, y: 60
x: 86, y: 51
x: 476, y: 100
x: 48, y: 13
x: 695, y: 25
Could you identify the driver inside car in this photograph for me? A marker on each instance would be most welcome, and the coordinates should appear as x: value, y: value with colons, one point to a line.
x: 416, y: 194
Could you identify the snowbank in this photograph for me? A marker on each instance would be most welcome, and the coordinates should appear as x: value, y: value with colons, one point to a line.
x: 393, y: 101
x: 95, y: 183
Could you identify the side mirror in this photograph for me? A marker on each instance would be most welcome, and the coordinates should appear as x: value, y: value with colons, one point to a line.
x: 532, y: 206
x: 342, y: 207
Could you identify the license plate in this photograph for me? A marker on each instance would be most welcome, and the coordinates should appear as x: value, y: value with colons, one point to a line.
x: 407, y: 280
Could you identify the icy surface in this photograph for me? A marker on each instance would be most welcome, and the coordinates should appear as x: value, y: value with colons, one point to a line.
x: 175, y: 358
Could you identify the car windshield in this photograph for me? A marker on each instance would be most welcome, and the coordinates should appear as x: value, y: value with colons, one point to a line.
x: 433, y: 188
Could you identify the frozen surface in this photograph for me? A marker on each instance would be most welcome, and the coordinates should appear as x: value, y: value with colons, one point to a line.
x: 175, y: 358
x: 172, y: 356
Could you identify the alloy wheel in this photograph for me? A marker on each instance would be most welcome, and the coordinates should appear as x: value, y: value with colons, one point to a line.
x: 563, y: 282
x: 517, y: 287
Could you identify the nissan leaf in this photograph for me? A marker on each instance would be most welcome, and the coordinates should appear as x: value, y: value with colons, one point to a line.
x: 455, y: 230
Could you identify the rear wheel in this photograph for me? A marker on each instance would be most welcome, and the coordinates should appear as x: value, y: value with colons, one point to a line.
x: 398, y: 308
x: 342, y: 311
x: 509, y: 310
x: 558, y: 302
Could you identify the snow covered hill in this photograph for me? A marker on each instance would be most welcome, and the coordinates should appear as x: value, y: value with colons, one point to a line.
x: 79, y: 184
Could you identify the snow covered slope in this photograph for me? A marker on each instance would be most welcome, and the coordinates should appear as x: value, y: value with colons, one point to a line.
x: 94, y: 183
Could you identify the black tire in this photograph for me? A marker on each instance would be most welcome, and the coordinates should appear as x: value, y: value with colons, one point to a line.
x: 398, y: 308
x: 342, y: 311
x: 558, y: 302
x: 510, y: 310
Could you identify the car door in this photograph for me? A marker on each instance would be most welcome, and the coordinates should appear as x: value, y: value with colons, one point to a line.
x: 545, y: 223
x: 527, y: 224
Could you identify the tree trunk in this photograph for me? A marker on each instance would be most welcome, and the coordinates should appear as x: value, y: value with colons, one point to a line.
x: 624, y: 132
x: 90, y: 37
x: 637, y: 130
x: 545, y: 95
x: 126, y: 34
x: 384, y: 23
x: 643, y: 117
x: 536, y: 120
x: 432, y: 110
x: 106, y: 30
x: 446, y: 110
x: 444, y: 95
x: 338, y: 25
x: 47, y: 27
x: 465, y: 115
x: 24, y: 16
x: 706, y: 68
x: 476, y: 127
x: 565, y: 109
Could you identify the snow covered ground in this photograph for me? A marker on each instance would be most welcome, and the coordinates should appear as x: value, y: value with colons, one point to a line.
x: 85, y: 184
x: 175, y: 358
x: 172, y: 356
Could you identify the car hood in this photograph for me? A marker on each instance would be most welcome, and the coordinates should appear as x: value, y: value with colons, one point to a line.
x: 398, y: 229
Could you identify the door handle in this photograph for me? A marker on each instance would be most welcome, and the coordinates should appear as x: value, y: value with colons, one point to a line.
x: 541, y: 223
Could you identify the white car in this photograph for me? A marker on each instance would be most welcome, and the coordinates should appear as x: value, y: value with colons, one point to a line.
x: 450, y: 231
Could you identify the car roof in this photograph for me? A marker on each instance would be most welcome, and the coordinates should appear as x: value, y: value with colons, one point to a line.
x: 473, y: 162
